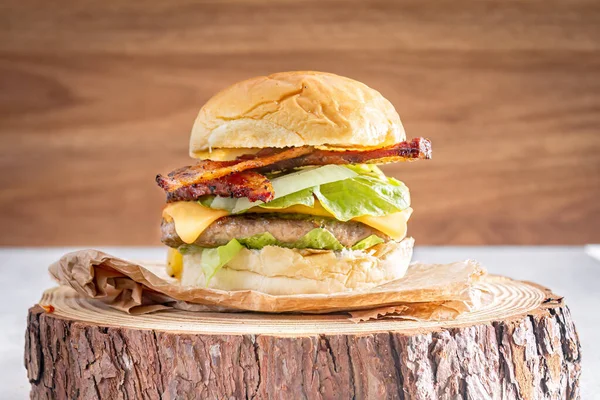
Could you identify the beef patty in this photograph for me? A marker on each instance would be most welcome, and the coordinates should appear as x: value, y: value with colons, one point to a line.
x: 286, y: 228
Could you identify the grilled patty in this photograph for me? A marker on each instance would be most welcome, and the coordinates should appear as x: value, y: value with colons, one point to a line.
x: 286, y: 228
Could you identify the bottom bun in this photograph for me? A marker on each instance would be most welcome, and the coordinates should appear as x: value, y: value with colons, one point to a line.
x: 280, y: 271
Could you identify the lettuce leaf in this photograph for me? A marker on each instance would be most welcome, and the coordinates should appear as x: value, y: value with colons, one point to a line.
x: 370, y: 193
x: 363, y: 195
x: 259, y: 241
x: 368, y: 242
x: 367, y: 169
x: 365, y: 191
x: 214, y: 259
x: 317, y: 238
x: 206, y: 201
x: 293, y: 183
x: 218, y: 202
x: 304, y: 197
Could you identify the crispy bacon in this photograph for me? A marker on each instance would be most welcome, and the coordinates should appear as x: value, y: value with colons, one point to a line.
x: 208, y: 170
x: 418, y: 148
x: 248, y: 184
x: 231, y: 178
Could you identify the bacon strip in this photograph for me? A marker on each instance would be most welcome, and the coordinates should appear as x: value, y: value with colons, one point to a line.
x: 207, y: 173
x: 208, y: 170
x: 248, y: 184
x: 418, y: 148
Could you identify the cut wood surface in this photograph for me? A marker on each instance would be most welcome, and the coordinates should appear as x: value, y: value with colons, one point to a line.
x: 521, y: 346
x: 96, y: 98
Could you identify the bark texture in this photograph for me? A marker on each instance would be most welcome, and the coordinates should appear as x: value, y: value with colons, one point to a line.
x: 533, y: 356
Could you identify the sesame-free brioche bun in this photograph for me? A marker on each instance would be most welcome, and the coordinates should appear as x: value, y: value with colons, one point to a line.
x: 301, y: 108
x: 282, y: 271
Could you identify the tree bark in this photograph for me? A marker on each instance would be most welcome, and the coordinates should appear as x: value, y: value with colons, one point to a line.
x: 530, y: 355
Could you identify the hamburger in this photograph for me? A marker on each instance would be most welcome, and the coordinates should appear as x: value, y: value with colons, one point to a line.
x: 285, y: 196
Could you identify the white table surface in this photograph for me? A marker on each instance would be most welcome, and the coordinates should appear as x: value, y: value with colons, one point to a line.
x: 568, y: 271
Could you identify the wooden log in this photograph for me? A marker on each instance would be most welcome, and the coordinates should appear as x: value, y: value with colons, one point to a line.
x: 522, y: 346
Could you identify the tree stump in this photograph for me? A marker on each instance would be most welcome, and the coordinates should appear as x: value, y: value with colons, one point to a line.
x: 522, y: 346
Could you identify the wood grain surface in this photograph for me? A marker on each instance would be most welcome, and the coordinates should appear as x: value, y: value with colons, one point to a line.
x: 508, y: 298
x: 97, y: 97
x: 522, y: 346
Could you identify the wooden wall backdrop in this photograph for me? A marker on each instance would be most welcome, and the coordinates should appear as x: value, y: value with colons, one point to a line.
x: 96, y: 97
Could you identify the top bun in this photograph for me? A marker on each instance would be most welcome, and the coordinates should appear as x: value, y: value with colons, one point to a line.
x: 302, y: 108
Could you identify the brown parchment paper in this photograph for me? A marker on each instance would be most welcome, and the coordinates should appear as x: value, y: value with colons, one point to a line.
x: 425, y: 311
x: 427, y: 291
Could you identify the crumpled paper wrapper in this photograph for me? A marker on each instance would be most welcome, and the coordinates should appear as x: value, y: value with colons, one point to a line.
x: 427, y: 291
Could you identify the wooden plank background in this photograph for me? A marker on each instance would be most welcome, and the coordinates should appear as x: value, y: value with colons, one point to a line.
x: 97, y: 97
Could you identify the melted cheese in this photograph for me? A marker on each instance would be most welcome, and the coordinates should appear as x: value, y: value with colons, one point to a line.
x: 394, y: 225
x: 174, y: 263
x: 223, y: 154
x: 191, y: 218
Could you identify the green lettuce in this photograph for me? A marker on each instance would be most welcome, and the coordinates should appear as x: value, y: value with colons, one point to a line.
x: 293, y: 183
x: 366, y: 169
x: 213, y: 260
x: 366, y: 191
x: 367, y: 242
x: 259, y: 241
x: 371, y: 193
x: 317, y: 238
x: 363, y: 195
x: 304, y: 197
x: 206, y: 201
